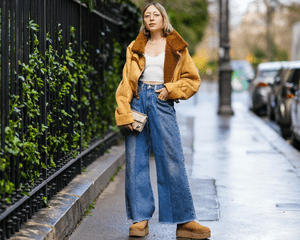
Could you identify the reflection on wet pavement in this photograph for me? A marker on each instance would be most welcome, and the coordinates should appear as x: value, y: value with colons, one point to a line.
x: 243, y: 178
x: 253, y: 177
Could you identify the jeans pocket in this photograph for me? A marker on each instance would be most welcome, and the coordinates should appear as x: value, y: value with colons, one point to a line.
x: 165, y: 105
x: 157, y: 97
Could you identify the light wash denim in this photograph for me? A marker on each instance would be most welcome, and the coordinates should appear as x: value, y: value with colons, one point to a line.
x: 161, y: 130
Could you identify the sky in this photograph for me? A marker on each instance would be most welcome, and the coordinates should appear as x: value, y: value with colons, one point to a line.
x: 237, y: 10
x: 239, y: 7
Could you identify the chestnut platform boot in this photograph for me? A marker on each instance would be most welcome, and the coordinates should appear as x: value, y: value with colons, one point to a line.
x: 139, y: 229
x: 192, y: 230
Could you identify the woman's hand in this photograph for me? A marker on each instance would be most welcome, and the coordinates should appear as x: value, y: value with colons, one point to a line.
x: 130, y: 126
x: 164, y: 93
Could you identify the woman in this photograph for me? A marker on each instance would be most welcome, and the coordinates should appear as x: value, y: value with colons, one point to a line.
x: 158, y: 71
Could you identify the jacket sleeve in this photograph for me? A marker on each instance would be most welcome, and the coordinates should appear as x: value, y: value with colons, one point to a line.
x: 189, y: 81
x: 124, y: 94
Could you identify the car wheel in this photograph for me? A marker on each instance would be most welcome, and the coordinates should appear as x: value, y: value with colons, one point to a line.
x: 277, y: 115
x: 262, y: 111
x: 295, y: 142
x: 270, y: 112
x: 258, y: 112
x: 285, y: 131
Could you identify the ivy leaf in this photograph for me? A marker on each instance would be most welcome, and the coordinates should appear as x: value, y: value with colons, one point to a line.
x: 45, y: 201
x: 43, y: 70
x: 9, y: 187
x: 43, y: 128
x: 26, y: 194
x: 43, y: 165
x: 52, y: 164
x: 90, y: 4
x: 24, y: 175
x: 2, y: 183
x: 2, y: 167
x: 6, y: 129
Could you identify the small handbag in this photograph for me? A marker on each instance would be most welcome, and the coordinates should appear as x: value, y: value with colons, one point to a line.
x: 140, y: 120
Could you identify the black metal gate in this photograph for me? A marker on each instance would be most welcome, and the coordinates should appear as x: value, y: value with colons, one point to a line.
x: 54, y: 19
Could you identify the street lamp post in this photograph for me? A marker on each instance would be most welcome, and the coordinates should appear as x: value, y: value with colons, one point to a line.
x: 225, y: 69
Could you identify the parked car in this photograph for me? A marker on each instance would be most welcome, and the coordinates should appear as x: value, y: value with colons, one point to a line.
x: 295, y: 117
x: 275, y: 87
x: 260, y: 87
x: 242, y: 74
x: 272, y: 99
x: 285, y: 96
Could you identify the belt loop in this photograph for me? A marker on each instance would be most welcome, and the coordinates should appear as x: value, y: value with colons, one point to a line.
x: 157, y: 86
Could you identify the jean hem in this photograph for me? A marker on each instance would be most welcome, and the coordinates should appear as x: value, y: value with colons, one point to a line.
x: 179, y: 222
x: 144, y: 219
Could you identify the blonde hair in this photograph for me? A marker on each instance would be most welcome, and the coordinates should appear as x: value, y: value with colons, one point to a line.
x: 167, y: 29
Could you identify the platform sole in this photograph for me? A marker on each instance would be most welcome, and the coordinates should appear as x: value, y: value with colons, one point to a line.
x: 138, y: 232
x: 188, y: 234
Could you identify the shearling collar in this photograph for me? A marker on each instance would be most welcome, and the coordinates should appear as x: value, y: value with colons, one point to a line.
x: 174, y: 45
x: 174, y: 40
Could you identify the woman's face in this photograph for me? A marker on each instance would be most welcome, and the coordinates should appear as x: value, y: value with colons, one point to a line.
x: 153, y: 19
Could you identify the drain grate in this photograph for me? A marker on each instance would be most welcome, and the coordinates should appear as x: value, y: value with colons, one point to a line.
x: 288, y: 206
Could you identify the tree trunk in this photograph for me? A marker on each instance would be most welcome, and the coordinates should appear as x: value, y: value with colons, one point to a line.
x: 269, y: 18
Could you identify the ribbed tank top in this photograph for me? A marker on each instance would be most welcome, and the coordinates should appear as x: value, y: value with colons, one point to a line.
x: 154, y: 69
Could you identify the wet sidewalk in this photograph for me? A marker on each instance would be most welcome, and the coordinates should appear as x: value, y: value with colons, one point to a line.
x: 244, y: 178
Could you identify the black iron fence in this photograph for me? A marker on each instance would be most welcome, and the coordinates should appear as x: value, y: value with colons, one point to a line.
x: 57, y: 88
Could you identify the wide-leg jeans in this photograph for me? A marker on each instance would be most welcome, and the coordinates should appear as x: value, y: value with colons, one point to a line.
x: 161, y: 130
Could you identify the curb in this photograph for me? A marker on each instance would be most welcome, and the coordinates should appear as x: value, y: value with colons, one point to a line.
x: 292, y: 154
x: 69, y: 205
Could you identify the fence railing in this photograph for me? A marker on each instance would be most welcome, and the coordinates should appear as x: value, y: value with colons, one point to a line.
x: 55, y: 58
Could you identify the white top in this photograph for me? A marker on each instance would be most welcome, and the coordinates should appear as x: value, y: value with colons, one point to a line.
x: 154, y: 69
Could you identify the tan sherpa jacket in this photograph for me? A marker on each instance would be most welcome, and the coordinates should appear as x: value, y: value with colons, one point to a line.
x: 181, y: 76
